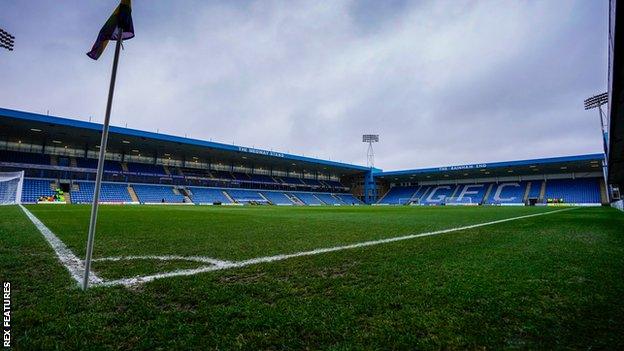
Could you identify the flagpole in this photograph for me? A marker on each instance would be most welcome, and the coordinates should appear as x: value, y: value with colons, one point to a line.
x: 100, y: 169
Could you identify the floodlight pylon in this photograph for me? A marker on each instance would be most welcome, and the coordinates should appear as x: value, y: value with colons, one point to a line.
x: 370, y: 153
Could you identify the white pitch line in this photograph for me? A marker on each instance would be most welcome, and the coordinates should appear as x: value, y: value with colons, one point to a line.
x: 73, y: 264
x: 202, y: 259
x: 186, y: 272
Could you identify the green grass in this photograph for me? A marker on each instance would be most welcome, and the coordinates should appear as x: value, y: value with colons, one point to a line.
x: 547, y: 282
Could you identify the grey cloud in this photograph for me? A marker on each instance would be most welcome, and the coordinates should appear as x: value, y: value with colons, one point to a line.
x: 443, y: 82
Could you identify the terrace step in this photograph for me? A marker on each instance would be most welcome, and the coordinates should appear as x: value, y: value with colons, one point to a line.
x: 295, y: 199
x: 527, y: 192
x: 487, y: 194
x: 264, y: 197
x: 338, y: 199
x: 228, y: 197
x: 455, y: 191
x: 321, y: 201
x: 133, y: 195
x: 384, y: 195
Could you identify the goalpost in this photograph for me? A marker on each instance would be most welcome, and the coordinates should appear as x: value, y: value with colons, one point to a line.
x: 11, y: 184
x: 456, y: 201
x: 409, y: 201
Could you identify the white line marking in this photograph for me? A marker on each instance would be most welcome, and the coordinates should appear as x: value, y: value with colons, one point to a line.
x: 186, y: 272
x: 73, y: 264
x: 202, y: 259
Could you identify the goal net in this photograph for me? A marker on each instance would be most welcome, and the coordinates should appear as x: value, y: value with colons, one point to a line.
x: 465, y: 200
x: 409, y: 201
x: 11, y: 184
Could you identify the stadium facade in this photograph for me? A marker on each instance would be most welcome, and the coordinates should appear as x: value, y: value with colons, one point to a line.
x: 145, y: 167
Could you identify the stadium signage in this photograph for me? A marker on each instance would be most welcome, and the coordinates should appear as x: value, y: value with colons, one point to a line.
x: 260, y: 152
x: 6, y: 314
x: 457, y: 168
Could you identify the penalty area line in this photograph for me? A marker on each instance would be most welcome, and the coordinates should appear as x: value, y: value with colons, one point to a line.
x: 229, y: 265
x: 74, y: 265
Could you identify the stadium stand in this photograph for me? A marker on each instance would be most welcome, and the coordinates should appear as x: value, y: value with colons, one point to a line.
x: 110, y: 166
x: 208, y: 195
x: 262, y: 178
x: 559, y: 176
x: 144, y: 173
x: 35, y: 188
x: 536, y: 189
x: 469, y: 194
x: 333, y: 183
x: 507, y: 193
x: 312, y: 182
x: 246, y: 196
x: 222, y: 174
x: 145, y: 168
x: 328, y: 199
x: 573, y: 191
x: 437, y: 194
x: 349, y: 199
x: 307, y: 198
x: 291, y: 180
x: 241, y: 176
x: 110, y: 192
x: 24, y: 157
x: 277, y: 197
x: 156, y: 194
x: 397, y: 194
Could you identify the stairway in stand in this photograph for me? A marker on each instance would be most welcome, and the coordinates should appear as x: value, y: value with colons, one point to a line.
x: 132, y: 194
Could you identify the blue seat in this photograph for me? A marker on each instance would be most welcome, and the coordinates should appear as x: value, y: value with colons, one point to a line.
x: 109, y: 192
x: 145, y: 168
x: 208, y: 195
x: 156, y: 193
x: 397, y: 194
x: 246, y: 196
x: 277, y: 197
x: 32, y: 189
x: 307, y: 198
x: 574, y: 191
x: 328, y: 199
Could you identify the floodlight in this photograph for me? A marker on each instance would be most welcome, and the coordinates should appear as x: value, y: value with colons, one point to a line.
x: 370, y: 154
x: 6, y: 40
x: 596, y: 101
x: 370, y: 138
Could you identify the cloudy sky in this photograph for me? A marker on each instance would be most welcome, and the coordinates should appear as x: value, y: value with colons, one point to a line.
x: 442, y: 82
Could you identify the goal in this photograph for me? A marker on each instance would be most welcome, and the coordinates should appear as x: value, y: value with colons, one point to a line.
x: 409, y: 201
x: 11, y: 184
x: 450, y: 201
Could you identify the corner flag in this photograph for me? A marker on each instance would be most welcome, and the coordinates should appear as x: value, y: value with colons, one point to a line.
x: 120, y: 20
x: 118, y: 27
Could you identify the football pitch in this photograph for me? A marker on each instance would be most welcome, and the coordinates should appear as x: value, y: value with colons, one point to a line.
x: 195, y: 277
